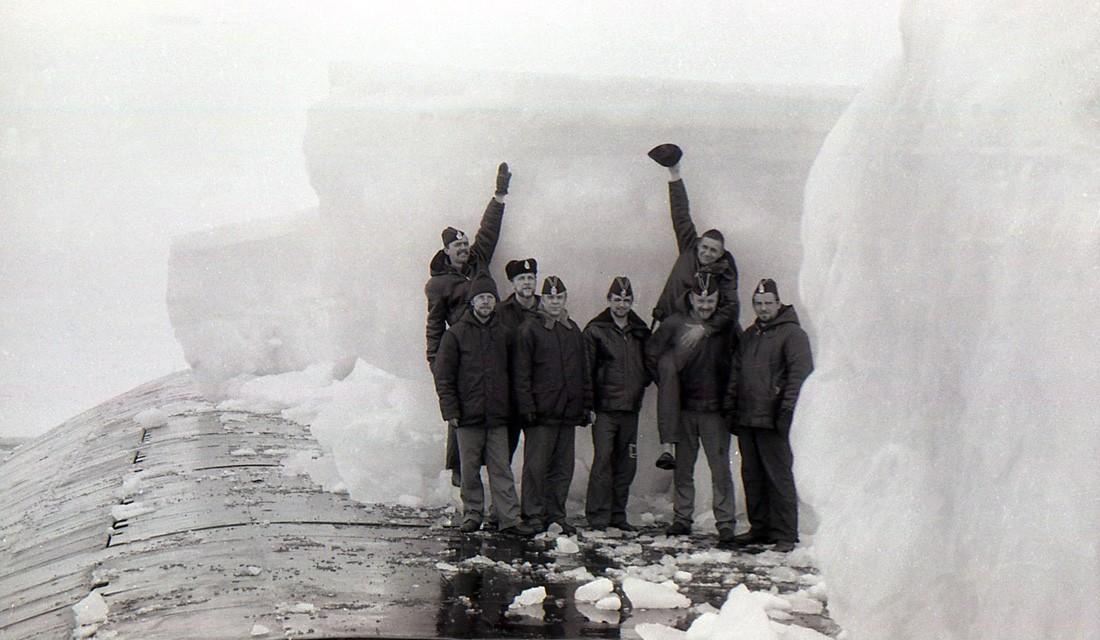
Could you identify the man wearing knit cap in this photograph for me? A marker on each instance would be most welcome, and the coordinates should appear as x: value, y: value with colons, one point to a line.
x: 451, y: 270
x: 697, y: 254
x: 770, y: 364
x: 699, y: 381
x: 472, y: 380
x: 616, y: 359
x: 554, y: 394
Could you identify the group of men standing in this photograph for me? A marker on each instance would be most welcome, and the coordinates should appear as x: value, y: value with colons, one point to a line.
x: 524, y: 365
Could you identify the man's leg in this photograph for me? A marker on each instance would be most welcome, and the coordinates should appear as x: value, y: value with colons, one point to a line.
x: 452, y: 462
x: 597, y: 504
x: 561, y: 474
x: 538, y: 443
x: 501, y: 483
x: 777, y: 459
x: 668, y: 398
x: 687, y: 449
x: 514, y: 429
x: 755, y: 482
x: 471, y: 444
x: 716, y: 444
x: 624, y: 463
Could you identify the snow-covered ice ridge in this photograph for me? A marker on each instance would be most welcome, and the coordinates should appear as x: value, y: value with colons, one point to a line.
x: 949, y: 437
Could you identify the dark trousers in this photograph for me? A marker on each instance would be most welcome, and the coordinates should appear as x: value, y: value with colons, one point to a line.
x: 772, y: 502
x: 547, y: 472
x: 668, y: 393
x: 614, y: 461
x: 708, y: 430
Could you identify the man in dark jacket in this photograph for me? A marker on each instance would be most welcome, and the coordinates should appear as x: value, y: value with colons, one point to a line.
x: 553, y: 393
x: 522, y: 303
x: 772, y: 361
x: 704, y: 254
x: 451, y: 270
x: 472, y: 380
x: 701, y: 380
x: 616, y: 359
x: 513, y: 310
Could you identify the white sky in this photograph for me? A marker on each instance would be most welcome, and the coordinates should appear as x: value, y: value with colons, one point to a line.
x: 127, y: 123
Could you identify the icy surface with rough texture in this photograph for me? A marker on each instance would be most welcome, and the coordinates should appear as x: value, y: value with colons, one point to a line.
x: 948, y: 439
x: 650, y: 595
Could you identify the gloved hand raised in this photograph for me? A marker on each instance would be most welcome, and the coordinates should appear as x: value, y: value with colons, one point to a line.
x: 503, y: 178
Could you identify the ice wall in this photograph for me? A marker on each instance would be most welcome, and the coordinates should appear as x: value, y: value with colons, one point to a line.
x: 949, y: 436
x: 395, y: 159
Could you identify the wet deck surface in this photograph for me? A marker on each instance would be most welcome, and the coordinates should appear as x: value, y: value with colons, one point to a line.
x: 219, y: 538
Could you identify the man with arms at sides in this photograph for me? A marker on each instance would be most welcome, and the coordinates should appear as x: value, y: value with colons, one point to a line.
x: 554, y: 394
x: 770, y: 364
x: 472, y: 370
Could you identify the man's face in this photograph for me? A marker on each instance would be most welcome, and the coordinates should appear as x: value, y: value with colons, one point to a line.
x: 620, y: 305
x: 704, y: 306
x: 458, y: 252
x: 766, y: 306
x: 554, y: 303
x: 709, y: 250
x: 524, y: 284
x: 483, y: 304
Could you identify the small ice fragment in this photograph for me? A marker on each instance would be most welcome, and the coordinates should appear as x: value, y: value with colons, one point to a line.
x: 566, y: 545
x: 528, y: 597
x: 648, y: 595
x: 303, y: 607
x: 446, y: 567
x: 682, y: 577
x: 259, y: 630
x: 594, y: 590
x: 610, y: 602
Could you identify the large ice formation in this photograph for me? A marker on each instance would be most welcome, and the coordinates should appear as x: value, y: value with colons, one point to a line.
x: 949, y: 437
x: 394, y: 160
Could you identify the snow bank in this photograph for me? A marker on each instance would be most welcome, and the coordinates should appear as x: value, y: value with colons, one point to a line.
x: 377, y: 433
x: 949, y: 437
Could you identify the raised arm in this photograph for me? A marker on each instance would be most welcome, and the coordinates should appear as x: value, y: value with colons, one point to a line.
x: 488, y: 233
x: 682, y: 225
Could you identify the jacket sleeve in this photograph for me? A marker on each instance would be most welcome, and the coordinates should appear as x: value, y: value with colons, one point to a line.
x: 591, y: 352
x: 437, y: 321
x: 682, y: 225
x: 589, y: 377
x: 485, y: 242
x: 446, y: 376
x: 522, y: 370
x: 729, y: 401
x: 728, y: 313
x: 799, y: 363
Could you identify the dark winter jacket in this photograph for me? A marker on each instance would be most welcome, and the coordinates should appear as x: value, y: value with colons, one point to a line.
x: 446, y: 289
x: 550, y: 374
x: 472, y: 372
x: 512, y: 313
x: 769, y: 366
x: 616, y: 358
x: 704, y: 373
x: 682, y: 277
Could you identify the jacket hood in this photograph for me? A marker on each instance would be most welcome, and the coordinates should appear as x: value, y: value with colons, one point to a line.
x: 440, y: 265
x: 786, y: 315
x: 633, y: 321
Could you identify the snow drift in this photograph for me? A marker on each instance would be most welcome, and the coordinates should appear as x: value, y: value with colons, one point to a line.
x: 949, y: 436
